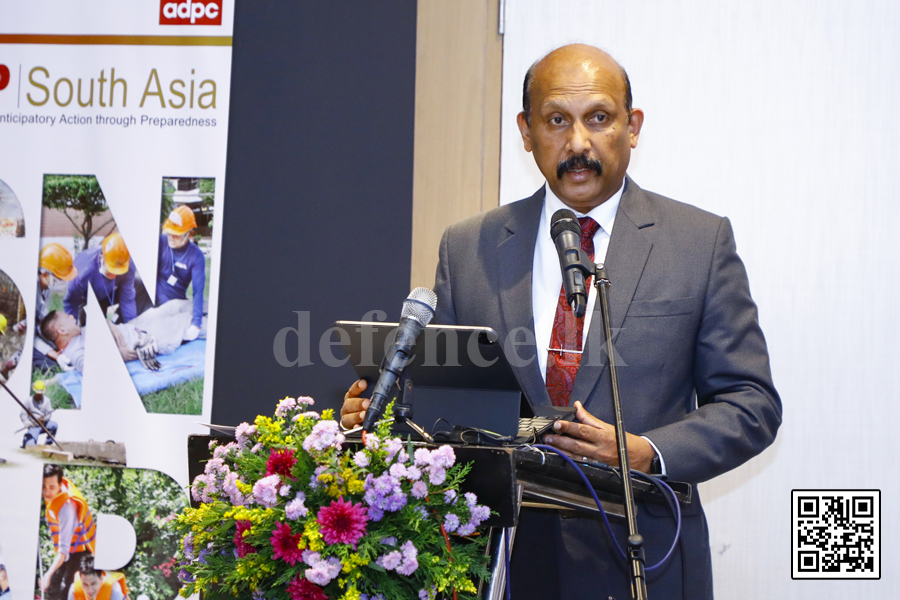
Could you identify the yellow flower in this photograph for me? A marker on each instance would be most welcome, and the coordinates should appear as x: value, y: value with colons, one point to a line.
x: 351, y: 594
x: 356, y: 486
x: 311, y: 533
x: 328, y: 414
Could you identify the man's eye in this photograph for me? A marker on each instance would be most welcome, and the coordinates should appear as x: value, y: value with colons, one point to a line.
x: 600, y: 118
x: 556, y: 120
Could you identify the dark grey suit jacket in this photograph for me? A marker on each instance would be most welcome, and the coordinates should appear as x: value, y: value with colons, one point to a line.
x: 693, y: 366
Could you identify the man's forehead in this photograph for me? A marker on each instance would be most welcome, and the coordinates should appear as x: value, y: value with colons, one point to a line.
x: 578, y: 73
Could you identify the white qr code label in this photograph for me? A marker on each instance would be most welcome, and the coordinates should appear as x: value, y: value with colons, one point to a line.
x: 836, y: 534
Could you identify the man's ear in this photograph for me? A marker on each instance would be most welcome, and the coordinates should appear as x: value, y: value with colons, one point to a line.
x: 524, y: 130
x: 634, y: 126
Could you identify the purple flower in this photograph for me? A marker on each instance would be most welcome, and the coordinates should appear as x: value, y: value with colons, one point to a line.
x: 314, y: 478
x: 471, y: 500
x: 422, y: 457
x: 256, y: 447
x: 393, y: 446
x: 265, y: 491
x: 450, y: 497
x: 437, y: 475
x: 372, y: 442
x: 321, y: 571
x: 284, y: 406
x: 305, y: 401
x: 389, y: 541
x: 451, y: 523
x: 296, y: 507
x: 413, y: 473
x: 213, y: 465
x: 285, y: 491
x: 480, y: 514
x: 397, y: 470
x: 420, y: 510
x: 390, y: 561
x: 375, y: 513
x: 188, y: 546
x: 185, y: 577
x: 410, y: 561
x: 419, y: 489
x: 229, y: 486
x: 402, y: 456
x: 396, y: 501
x: 443, y: 457
x: 361, y: 460
x: 467, y: 529
x: 325, y: 434
x: 243, y: 432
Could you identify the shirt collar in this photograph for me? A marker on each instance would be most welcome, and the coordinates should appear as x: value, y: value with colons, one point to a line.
x: 604, y: 215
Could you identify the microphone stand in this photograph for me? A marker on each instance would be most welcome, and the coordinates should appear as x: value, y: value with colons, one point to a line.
x: 635, y: 551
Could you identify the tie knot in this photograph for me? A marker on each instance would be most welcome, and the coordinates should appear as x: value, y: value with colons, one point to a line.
x: 588, y: 228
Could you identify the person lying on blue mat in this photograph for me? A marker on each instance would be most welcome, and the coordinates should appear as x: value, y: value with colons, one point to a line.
x: 156, y: 331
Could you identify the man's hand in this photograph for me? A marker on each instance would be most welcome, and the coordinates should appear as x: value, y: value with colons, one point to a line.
x: 593, y: 439
x: 354, y: 409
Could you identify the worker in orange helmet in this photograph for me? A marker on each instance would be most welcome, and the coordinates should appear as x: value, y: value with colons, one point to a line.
x: 72, y: 528
x: 108, y: 270
x: 181, y: 263
x: 55, y: 264
x: 93, y: 584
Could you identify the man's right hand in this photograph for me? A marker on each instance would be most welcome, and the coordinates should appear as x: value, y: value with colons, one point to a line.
x: 354, y: 409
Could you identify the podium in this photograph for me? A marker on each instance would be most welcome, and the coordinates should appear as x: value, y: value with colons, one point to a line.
x: 508, y: 478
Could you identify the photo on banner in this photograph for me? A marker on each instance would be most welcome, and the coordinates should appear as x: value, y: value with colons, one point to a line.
x: 12, y: 219
x: 121, y: 536
x: 82, y: 253
x: 12, y: 326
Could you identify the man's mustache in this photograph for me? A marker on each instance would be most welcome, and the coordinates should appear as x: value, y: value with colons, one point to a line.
x: 578, y: 161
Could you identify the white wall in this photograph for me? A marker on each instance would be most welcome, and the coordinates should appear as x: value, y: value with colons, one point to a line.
x: 784, y: 116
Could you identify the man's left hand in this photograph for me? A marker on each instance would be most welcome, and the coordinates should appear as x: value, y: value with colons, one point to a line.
x: 594, y: 439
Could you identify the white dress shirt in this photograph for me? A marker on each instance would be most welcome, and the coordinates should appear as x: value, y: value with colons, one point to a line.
x: 546, y: 276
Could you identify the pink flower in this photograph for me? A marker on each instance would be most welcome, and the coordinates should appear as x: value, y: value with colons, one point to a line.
x: 301, y: 588
x: 342, y: 522
x: 280, y: 463
x: 285, y: 545
x: 242, y: 547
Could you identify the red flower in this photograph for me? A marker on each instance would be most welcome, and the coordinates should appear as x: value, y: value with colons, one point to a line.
x: 281, y: 463
x: 342, y: 522
x: 285, y: 545
x: 242, y: 547
x: 301, y: 588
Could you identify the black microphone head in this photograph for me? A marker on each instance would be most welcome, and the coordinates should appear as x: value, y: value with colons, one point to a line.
x: 420, y: 305
x: 564, y: 220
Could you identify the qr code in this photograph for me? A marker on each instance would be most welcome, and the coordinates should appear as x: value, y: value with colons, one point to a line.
x: 836, y: 534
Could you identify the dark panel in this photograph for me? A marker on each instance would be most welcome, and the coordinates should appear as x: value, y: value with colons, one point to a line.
x: 318, y: 198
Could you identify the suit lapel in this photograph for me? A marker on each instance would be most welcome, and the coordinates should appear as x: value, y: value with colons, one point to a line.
x: 515, y: 259
x: 629, y: 248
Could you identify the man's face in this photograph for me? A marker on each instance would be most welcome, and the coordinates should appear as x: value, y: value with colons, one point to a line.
x: 66, y: 324
x: 51, y: 488
x: 91, y: 585
x: 579, y: 131
x: 106, y: 273
x: 178, y: 241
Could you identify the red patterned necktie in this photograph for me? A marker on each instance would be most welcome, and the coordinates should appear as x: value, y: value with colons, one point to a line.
x: 567, y: 332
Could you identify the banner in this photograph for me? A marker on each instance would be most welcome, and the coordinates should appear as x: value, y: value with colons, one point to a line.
x: 114, y: 123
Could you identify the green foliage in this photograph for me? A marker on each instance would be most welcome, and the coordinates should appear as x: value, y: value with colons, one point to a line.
x: 149, y: 500
x: 185, y: 398
x: 56, y: 393
x: 79, y: 193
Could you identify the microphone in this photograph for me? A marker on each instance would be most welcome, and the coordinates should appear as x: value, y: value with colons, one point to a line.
x: 418, y: 310
x: 566, y: 233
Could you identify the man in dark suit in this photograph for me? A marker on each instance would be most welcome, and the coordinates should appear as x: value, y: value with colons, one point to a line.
x: 694, y: 376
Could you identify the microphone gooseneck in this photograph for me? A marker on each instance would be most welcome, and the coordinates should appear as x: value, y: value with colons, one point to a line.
x: 418, y: 310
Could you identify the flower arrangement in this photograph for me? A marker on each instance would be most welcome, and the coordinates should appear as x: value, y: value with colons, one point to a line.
x: 288, y: 514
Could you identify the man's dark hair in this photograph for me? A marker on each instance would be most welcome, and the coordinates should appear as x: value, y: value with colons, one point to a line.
x: 47, y: 329
x: 86, y: 565
x: 53, y: 471
x: 529, y: 81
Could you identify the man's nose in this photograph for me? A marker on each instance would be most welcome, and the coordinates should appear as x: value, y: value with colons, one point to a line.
x: 579, y: 138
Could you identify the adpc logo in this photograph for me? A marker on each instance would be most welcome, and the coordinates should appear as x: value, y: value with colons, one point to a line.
x: 4, y: 77
x: 190, y: 12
